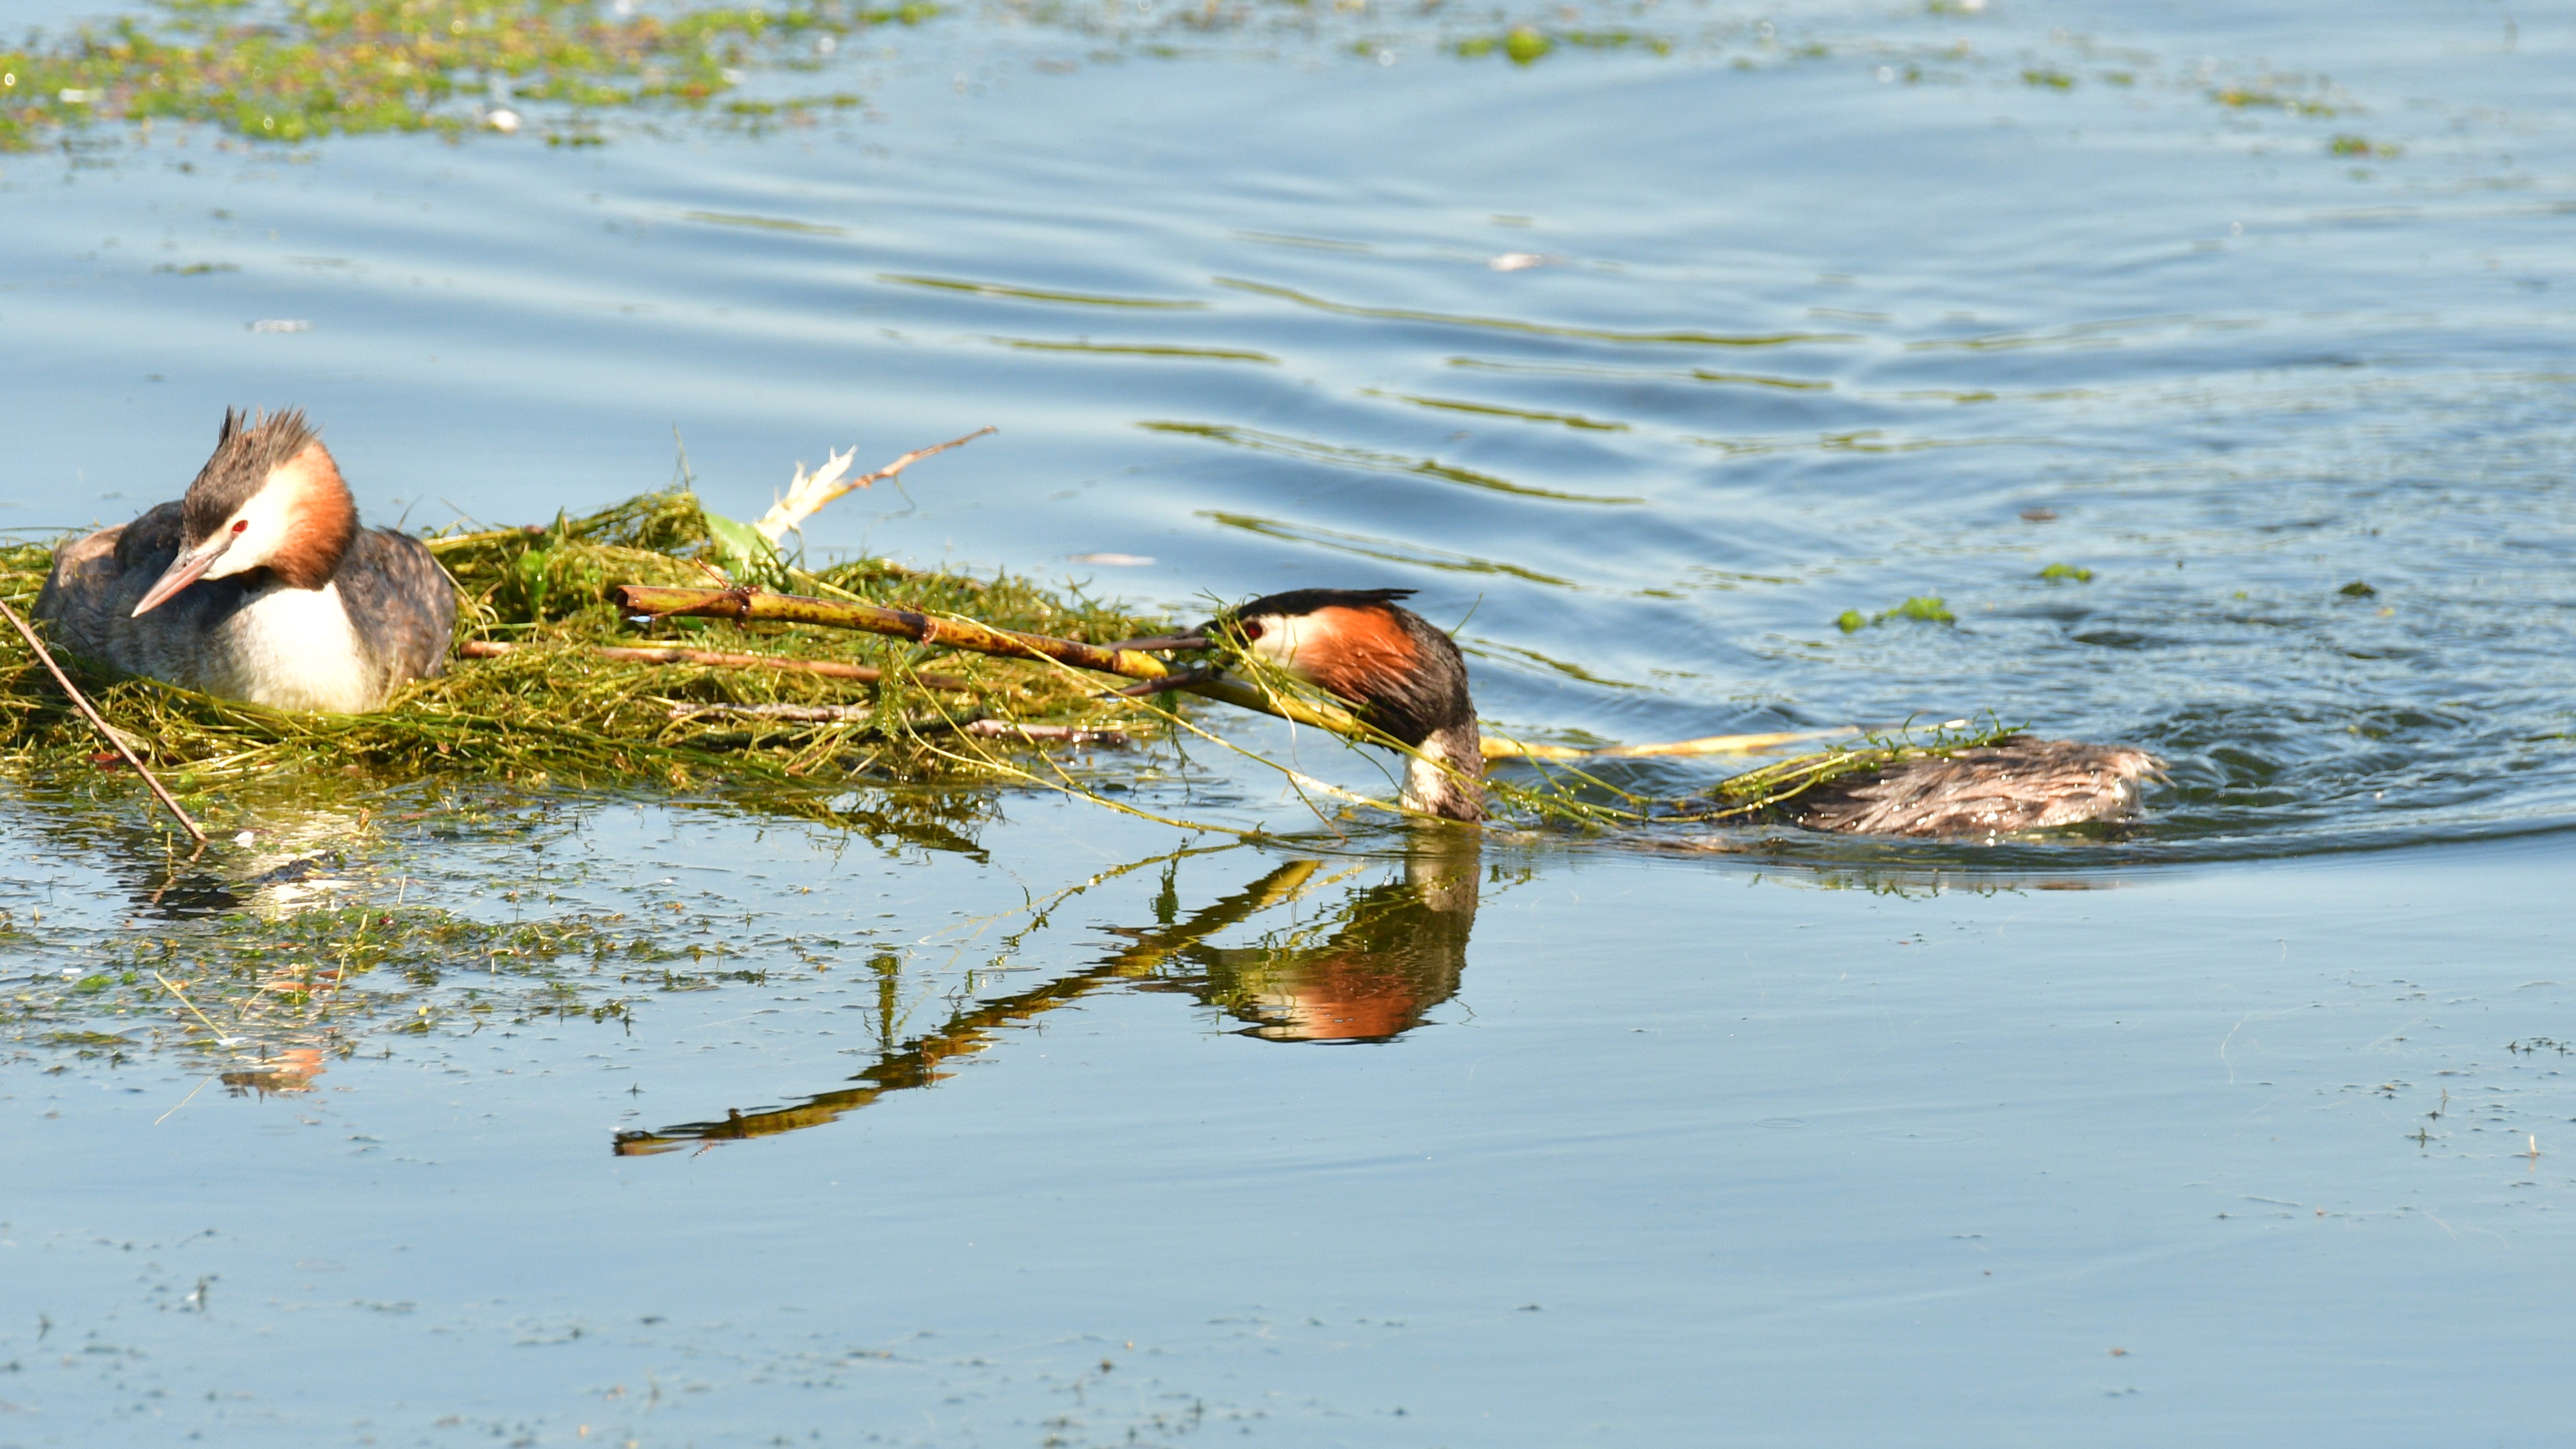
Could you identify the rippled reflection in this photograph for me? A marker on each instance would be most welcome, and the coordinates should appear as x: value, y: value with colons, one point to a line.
x: 1368, y: 968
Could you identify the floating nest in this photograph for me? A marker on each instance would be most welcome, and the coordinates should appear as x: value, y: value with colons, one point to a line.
x: 552, y: 711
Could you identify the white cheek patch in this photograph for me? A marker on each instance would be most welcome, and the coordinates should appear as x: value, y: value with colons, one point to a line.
x: 268, y: 513
x: 1282, y: 637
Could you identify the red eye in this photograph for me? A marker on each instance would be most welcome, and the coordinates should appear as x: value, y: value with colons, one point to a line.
x: 241, y: 525
x: 1251, y: 631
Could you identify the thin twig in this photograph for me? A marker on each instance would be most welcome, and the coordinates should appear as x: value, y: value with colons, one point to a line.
x: 1182, y: 679
x: 1061, y: 734
x: 809, y: 492
x: 1497, y: 747
x: 797, y: 713
x: 222, y: 1037
x: 81, y: 702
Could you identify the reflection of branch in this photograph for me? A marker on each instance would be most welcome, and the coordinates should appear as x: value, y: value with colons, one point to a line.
x: 918, y: 1064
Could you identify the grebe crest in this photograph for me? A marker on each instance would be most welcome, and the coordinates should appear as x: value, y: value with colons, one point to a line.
x: 271, y: 497
x: 258, y: 584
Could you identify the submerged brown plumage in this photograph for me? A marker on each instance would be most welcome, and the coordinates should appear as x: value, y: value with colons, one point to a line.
x: 257, y: 585
x: 2016, y: 783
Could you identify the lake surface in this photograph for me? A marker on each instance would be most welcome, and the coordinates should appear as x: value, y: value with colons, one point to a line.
x: 1643, y: 365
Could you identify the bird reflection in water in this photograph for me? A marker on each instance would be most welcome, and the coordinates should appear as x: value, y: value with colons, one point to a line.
x: 1387, y: 956
x: 1371, y: 969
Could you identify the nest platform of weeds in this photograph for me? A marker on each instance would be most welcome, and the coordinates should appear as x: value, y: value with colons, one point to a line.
x: 551, y: 712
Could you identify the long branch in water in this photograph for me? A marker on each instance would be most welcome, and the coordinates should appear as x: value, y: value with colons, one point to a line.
x: 99, y: 722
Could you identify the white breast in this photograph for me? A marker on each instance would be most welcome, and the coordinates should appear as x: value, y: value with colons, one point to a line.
x: 291, y: 648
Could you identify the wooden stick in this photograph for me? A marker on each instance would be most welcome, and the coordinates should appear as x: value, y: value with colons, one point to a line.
x: 1498, y: 748
x: 81, y: 701
x: 997, y: 729
x: 864, y: 674
x: 742, y: 605
x: 798, y: 713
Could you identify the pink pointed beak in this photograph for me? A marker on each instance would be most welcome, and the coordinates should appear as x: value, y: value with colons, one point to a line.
x: 184, y: 570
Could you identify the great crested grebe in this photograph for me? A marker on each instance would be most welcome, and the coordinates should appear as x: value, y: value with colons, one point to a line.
x: 1408, y: 679
x: 259, y: 584
x: 1405, y: 676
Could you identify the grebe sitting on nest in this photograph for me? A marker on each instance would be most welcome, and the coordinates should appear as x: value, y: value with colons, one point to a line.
x: 1407, y: 678
x: 258, y: 585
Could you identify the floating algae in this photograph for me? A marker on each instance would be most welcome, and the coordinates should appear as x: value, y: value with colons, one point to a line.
x: 1922, y: 609
x: 310, y: 68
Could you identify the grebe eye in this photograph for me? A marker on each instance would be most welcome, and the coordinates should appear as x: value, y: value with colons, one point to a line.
x: 1251, y: 632
x: 241, y: 525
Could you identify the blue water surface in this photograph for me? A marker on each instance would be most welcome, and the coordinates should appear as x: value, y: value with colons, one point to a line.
x: 1643, y: 364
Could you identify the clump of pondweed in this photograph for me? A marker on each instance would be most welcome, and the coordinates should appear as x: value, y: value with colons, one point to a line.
x: 1526, y: 44
x: 310, y: 68
x: 552, y: 713
x: 1923, y: 608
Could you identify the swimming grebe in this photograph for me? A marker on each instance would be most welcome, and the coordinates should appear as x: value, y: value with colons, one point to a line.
x: 1408, y: 679
x: 1403, y: 674
x: 2017, y: 783
x: 258, y: 585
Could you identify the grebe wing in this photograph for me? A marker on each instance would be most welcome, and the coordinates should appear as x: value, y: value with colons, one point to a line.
x: 97, y: 577
x: 2017, y: 783
x: 147, y: 545
x: 401, y: 602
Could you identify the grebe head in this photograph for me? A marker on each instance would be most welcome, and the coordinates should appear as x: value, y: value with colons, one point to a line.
x: 1404, y: 673
x: 269, y: 498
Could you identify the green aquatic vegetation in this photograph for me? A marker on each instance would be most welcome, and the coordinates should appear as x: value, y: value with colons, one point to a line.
x: 1369, y: 459
x: 1038, y: 294
x: 305, y: 69
x: 2358, y: 589
x: 551, y: 711
x: 2055, y: 80
x: 2067, y: 572
x: 1616, y: 40
x: 1522, y: 45
x: 2351, y: 145
x: 1678, y: 338
x: 1923, y: 608
x: 1497, y: 410
x: 2243, y: 98
x: 252, y: 988
x: 1525, y: 44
